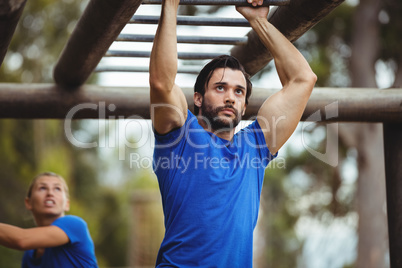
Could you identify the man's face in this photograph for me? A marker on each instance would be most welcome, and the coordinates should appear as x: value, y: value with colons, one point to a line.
x: 48, y: 197
x: 223, y: 103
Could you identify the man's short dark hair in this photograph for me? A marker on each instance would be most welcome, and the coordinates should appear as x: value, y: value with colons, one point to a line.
x: 224, y: 61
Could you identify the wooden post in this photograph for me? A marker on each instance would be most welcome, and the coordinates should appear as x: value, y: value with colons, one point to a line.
x: 96, y: 30
x: 292, y: 20
x: 146, y: 228
x: 10, y: 13
x: 393, y: 174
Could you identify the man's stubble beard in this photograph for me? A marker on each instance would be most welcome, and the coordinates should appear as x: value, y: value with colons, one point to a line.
x: 212, y: 119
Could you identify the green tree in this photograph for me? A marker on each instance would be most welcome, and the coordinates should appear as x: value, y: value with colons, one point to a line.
x: 31, y: 146
x: 346, y: 49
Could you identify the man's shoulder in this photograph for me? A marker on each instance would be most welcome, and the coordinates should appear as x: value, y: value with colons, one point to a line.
x: 178, y: 133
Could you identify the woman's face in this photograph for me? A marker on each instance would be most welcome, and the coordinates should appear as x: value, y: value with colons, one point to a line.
x: 48, y: 197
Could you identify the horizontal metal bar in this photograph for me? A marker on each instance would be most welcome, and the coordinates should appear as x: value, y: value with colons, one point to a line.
x: 186, y: 39
x: 193, y: 20
x: 145, y: 69
x: 222, y: 2
x: 146, y: 54
x: 96, y: 30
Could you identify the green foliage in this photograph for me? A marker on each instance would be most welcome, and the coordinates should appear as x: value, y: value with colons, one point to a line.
x: 282, y: 245
x: 391, y: 28
x: 17, y: 162
x: 304, y: 187
x: 144, y: 181
x: 39, y: 38
x: 8, y: 258
x: 112, y: 238
x: 28, y: 147
x: 325, y: 192
x: 326, y: 47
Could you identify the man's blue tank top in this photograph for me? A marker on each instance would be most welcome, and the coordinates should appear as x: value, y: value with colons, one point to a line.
x: 210, y: 191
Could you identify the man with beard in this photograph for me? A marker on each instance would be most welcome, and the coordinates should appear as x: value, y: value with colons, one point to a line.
x: 211, y: 186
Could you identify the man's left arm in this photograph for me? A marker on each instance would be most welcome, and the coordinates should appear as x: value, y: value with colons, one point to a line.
x: 280, y: 113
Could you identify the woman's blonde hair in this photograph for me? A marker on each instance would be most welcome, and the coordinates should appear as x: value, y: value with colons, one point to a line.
x: 50, y: 174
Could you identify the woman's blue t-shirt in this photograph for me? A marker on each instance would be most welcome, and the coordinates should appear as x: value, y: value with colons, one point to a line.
x: 79, y: 252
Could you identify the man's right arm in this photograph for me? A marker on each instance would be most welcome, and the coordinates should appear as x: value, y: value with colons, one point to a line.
x: 168, y: 103
x: 32, y: 238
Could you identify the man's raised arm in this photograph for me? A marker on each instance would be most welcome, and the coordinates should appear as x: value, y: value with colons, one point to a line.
x: 280, y: 113
x: 168, y: 103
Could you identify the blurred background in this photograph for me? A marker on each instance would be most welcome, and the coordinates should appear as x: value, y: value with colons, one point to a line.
x: 313, y: 213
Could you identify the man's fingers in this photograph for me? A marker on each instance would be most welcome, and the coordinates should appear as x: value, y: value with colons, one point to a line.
x: 255, y: 3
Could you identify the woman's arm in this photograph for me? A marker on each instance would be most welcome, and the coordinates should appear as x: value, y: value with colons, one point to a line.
x: 32, y: 238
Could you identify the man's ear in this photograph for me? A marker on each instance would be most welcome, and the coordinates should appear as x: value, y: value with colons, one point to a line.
x: 244, y: 110
x: 197, y: 99
x: 27, y: 202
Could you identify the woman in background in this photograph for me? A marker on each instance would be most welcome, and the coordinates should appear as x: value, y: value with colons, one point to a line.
x: 59, y: 240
